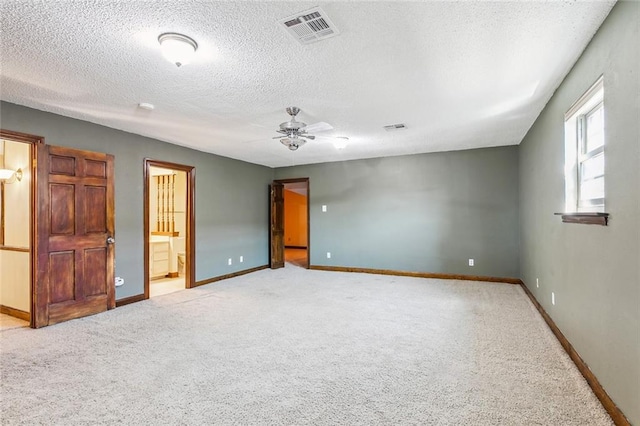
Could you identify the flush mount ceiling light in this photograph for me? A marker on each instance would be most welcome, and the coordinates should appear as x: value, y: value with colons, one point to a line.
x: 177, y: 48
x: 340, y: 142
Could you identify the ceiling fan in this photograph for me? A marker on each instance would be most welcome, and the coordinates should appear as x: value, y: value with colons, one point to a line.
x: 296, y: 133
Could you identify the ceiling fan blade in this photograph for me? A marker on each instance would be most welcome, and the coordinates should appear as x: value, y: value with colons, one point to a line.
x: 320, y: 126
x: 340, y: 142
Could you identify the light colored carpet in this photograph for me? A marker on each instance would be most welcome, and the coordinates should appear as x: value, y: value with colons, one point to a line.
x: 294, y: 346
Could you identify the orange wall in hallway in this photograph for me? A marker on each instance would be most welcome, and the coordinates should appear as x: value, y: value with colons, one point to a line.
x: 295, y: 219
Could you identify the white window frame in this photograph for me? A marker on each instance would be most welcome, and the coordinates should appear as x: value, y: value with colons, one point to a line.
x: 575, y: 146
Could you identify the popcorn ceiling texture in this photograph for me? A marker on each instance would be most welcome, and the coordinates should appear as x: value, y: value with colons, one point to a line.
x: 459, y: 75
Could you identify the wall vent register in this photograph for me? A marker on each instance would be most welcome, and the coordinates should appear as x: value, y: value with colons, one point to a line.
x: 393, y: 127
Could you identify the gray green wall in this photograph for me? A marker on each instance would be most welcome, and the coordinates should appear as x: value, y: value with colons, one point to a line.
x: 593, y: 270
x: 420, y: 213
x: 432, y: 212
x: 231, y: 196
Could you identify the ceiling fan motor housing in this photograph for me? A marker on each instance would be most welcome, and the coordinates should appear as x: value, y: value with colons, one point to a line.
x: 292, y: 125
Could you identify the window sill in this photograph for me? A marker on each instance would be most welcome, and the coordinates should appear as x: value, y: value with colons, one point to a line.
x: 585, y: 218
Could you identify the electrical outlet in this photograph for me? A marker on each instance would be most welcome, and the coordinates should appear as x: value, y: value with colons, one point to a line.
x: 328, y: 255
x: 324, y: 208
x: 241, y: 259
x: 471, y: 262
x: 553, y: 298
x: 230, y: 261
x: 537, y: 283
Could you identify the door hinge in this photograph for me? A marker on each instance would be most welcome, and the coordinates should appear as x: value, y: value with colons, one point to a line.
x: 35, y: 163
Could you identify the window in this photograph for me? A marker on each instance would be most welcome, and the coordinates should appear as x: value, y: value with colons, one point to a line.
x: 584, y: 152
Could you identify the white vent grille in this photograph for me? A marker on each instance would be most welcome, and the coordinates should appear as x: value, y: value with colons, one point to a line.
x: 392, y: 127
x: 310, y: 26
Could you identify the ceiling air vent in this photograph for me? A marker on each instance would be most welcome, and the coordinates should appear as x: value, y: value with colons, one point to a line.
x: 392, y: 127
x: 310, y: 26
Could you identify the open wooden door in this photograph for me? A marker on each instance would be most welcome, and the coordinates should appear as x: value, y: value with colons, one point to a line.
x: 75, y: 234
x: 277, y: 226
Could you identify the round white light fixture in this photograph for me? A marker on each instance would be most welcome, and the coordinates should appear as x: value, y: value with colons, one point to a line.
x: 341, y: 142
x: 177, y: 48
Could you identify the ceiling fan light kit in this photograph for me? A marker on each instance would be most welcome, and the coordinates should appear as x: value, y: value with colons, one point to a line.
x: 293, y: 143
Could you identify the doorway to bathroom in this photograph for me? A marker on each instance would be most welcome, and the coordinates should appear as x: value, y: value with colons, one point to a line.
x: 168, y: 227
x: 16, y: 230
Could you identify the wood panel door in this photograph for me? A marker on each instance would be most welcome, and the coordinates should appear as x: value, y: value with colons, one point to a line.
x: 277, y: 226
x: 76, y: 234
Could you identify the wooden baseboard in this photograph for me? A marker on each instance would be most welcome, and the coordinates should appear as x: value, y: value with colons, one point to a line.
x: 173, y: 275
x: 616, y: 414
x: 129, y: 300
x: 227, y: 276
x: 18, y: 313
x: 417, y: 274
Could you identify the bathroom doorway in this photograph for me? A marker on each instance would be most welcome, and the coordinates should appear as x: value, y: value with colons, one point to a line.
x: 16, y: 230
x: 168, y: 227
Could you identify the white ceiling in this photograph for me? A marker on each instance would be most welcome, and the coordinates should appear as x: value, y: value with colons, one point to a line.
x: 460, y: 75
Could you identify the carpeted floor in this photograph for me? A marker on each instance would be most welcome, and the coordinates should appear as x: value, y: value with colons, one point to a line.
x: 294, y: 346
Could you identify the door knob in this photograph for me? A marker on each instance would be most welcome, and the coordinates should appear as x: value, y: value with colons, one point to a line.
x: 111, y: 240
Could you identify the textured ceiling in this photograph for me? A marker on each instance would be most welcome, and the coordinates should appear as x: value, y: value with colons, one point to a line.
x: 458, y: 74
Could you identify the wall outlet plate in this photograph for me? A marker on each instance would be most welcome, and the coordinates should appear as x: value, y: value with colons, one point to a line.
x: 328, y: 255
x: 230, y: 261
x: 471, y: 262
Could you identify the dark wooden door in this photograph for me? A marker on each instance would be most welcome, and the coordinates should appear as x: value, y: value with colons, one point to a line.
x: 277, y: 225
x: 75, y: 235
